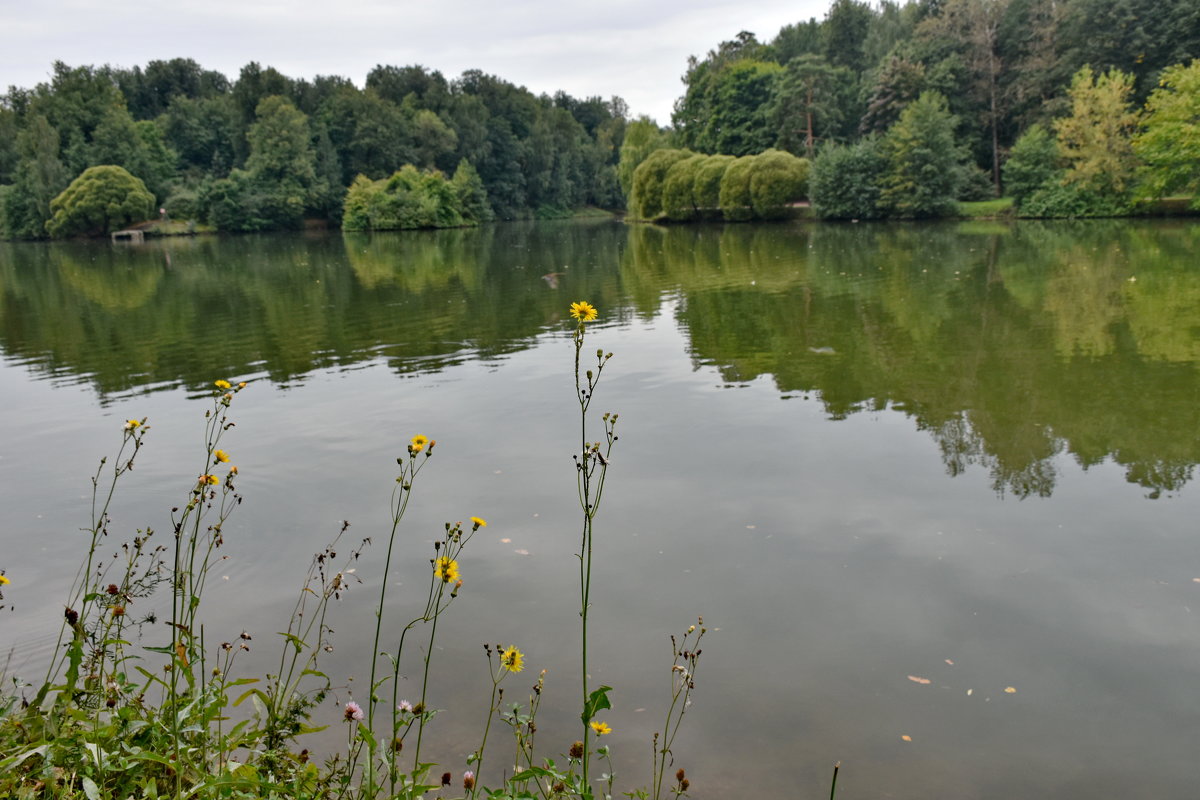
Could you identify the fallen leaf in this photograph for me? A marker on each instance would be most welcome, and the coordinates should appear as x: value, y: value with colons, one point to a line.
x: 1195, y: 580
x: 906, y: 738
x: 523, y: 552
x: 948, y: 661
x: 922, y: 681
x: 1009, y: 690
x: 970, y: 692
x: 506, y: 541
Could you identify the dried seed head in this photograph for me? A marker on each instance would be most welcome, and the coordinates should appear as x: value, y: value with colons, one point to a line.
x: 576, y: 750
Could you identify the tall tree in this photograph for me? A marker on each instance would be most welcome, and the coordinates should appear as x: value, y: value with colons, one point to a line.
x: 1169, y: 140
x: 925, y: 160
x: 1096, y: 140
x: 804, y: 102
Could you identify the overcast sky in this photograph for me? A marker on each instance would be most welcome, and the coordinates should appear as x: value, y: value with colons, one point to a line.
x: 637, y: 50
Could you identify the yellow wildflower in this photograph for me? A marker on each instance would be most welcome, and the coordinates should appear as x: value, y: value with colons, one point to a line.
x: 221, y: 455
x: 418, y: 443
x: 583, y: 311
x: 222, y: 384
x: 479, y: 522
x: 132, y: 424
x: 211, y: 480
x: 4, y: 581
x: 446, y: 569
x: 601, y: 728
x: 512, y: 659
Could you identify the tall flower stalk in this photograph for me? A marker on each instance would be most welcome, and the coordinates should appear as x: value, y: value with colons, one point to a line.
x: 591, y: 467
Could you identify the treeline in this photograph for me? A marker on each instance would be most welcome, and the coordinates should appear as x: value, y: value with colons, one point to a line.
x: 946, y: 89
x: 268, y: 151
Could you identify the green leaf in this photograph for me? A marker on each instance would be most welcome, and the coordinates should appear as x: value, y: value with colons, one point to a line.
x: 90, y: 789
x: 596, y: 701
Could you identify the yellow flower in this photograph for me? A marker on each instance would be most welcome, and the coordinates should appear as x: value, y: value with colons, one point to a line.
x: 601, y: 728
x: 446, y: 569
x: 4, y: 581
x: 222, y: 384
x: 583, y: 311
x: 512, y: 660
x: 221, y: 455
x: 132, y: 423
x: 418, y: 443
x: 479, y: 522
x: 211, y: 480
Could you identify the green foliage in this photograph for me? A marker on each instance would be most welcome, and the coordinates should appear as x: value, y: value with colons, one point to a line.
x: 678, y: 189
x: 642, y: 137
x: 925, y: 161
x: 736, y: 202
x: 1095, y: 140
x: 472, y: 196
x: 1168, y: 143
x: 1032, y: 165
x: 408, y: 200
x: 645, y: 197
x: 102, y: 199
x: 707, y: 187
x: 39, y: 177
x: 846, y: 180
x: 1060, y: 199
x: 805, y: 105
x: 777, y: 180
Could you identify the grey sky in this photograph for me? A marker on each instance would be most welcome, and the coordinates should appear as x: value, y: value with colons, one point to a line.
x: 637, y: 50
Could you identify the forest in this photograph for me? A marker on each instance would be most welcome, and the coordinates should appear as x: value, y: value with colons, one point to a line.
x: 1070, y: 107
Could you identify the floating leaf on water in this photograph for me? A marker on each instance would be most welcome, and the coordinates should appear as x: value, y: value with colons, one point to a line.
x: 1009, y: 690
x: 905, y: 738
x: 523, y: 552
x: 970, y: 692
x: 948, y: 661
x: 922, y: 681
x: 506, y: 540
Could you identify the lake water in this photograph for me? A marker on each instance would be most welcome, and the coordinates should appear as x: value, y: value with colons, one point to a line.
x: 866, y: 454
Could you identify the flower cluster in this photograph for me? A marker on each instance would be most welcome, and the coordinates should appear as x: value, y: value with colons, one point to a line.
x: 446, y: 569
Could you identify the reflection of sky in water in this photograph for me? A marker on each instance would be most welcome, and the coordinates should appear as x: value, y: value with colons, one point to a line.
x: 835, y: 556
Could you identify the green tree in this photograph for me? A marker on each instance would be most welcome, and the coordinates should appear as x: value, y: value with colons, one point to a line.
x: 1096, y: 139
x: 1168, y: 142
x: 846, y: 180
x: 777, y: 180
x: 39, y: 176
x: 1033, y: 164
x: 736, y: 202
x: 707, y: 186
x: 100, y: 200
x: 804, y: 101
x: 925, y: 162
x: 642, y: 137
x: 646, y: 196
x: 678, y: 193
x: 472, y: 195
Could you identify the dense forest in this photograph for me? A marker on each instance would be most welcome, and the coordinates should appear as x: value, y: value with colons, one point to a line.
x: 1072, y: 107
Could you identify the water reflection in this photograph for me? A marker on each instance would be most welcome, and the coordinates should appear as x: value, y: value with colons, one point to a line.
x: 1009, y: 345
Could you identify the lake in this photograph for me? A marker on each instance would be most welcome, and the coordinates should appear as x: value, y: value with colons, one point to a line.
x: 900, y: 470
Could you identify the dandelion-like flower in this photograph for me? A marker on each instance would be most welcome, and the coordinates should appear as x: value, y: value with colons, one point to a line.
x: 209, y: 480
x: 418, y: 443
x: 479, y: 522
x: 221, y: 455
x: 353, y: 711
x: 446, y: 568
x: 222, y: 384
x: 601, y: 728
x: 405, y: 706
x: 583, y: 311
x: 4, y: 581
x: 132, y: 424
x: 512, y: 659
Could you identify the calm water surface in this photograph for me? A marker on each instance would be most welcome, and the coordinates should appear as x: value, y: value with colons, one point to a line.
x: 961, y: 453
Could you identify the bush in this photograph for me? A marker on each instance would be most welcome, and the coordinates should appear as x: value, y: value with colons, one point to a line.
x: 645, y: 198
x: 101, y: 200
x: 1072, y: 200
x: 845, y: 181
x: 736, y: 204
x: 409, y: 199
x: 1032, y: 165
x: 678, y: 191
x: 706, y: 190
x: 777, y: 180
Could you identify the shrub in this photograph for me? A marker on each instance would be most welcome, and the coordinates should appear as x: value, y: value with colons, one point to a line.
x: 736, y: 204
x: 777, y: 180
x: 845, y: 181
x: 706, y: 190
x: 678, y: 191
x: 101, y: 200
x: 645, y: 198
